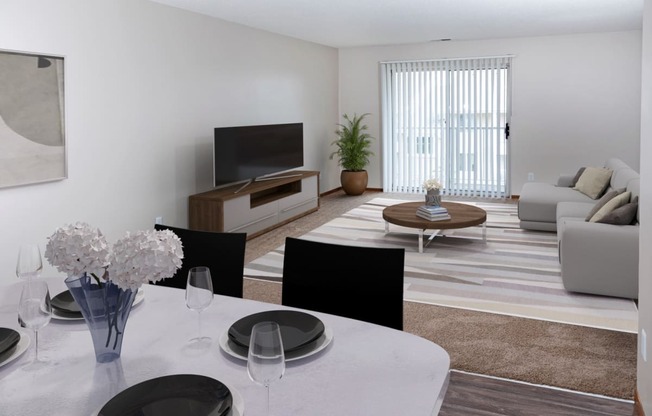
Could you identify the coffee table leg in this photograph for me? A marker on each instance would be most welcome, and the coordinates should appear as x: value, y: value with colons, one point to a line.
x: 484, y: 232
x: 420, y: 241
x: 386, y: 227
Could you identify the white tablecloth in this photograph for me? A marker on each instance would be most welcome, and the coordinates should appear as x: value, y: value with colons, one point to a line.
x: 366, y: 369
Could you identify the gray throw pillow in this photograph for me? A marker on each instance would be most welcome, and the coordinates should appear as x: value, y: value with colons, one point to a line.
x: 623, y: 215
x: 614, y: 203
x: 603, y: 200
x: 577, y: 176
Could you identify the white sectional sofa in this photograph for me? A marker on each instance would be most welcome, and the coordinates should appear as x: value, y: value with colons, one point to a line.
x: 597, y: 258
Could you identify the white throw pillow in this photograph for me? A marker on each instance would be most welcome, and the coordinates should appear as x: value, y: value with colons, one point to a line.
x: 593, y: 181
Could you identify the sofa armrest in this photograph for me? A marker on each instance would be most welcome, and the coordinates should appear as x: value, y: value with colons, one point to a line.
x: 565, y: 180
x: 600, y: 258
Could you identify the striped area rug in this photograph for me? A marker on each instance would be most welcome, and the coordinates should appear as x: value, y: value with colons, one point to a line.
x: 516, y: 272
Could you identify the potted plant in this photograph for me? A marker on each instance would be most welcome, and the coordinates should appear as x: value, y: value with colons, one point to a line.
x: 353, y: 154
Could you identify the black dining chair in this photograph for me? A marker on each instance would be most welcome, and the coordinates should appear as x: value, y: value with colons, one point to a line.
x: 222, y: 253
x: 364, y: 283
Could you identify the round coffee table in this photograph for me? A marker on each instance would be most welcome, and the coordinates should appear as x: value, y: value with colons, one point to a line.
x: 462, y: 216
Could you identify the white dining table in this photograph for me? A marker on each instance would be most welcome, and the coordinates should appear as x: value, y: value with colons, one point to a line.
x: 366, y: 369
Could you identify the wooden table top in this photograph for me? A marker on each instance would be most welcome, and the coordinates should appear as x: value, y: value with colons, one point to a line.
x: 462, y: 215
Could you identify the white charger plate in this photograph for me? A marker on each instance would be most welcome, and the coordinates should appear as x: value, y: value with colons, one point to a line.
x: 140, y: 295
x: 314, y: 347
x: 20, y: 348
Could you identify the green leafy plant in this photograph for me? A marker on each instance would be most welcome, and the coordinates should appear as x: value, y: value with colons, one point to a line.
x: 353, y: 144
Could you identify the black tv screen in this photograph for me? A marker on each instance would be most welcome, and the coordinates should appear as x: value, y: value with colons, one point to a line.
x: 244, y: 153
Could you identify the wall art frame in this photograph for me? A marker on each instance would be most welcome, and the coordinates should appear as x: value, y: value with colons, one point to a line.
x: 32, y: 118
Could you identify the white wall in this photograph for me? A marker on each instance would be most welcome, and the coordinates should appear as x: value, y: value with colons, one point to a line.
x: 644, y: 368
x: 145, y: 86
x: 576, y: 99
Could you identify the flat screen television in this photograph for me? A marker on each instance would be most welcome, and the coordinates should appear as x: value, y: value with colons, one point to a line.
x: 248, y: 153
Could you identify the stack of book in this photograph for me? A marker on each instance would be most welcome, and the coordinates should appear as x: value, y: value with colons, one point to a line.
x: 433, y: 213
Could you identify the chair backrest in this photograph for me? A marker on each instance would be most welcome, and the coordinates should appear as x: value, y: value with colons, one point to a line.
x: 364, y: 283
x: 222, y: 253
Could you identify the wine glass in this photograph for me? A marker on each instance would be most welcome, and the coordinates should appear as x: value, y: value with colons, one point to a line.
x: 199, y: 294
x: 29, y: 263
x: 34, y: 309
x: 266, y: 358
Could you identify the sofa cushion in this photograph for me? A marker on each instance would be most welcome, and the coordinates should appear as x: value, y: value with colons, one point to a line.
x: 621, y: 177
x: 623, y: 215
x: 577, y: 210
x: 608, y: 196
x: 615, y: 202
x: 593, y: 181
x: 538, y: 201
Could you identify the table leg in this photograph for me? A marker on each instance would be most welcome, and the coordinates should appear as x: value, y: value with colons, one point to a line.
x: 420, y: 241
x: 484, y: 232
x: 386, y: 227
x: 432, y: 236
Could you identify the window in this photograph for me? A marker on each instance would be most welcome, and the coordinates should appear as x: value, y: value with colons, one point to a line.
x: 447, y: 119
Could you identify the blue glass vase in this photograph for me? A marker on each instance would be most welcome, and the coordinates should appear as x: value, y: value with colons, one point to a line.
x: 105, y: 308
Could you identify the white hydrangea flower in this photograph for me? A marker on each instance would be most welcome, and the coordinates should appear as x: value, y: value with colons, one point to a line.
x: 137, y: 258
x: 431, y: 184
x: 78, y: 248
x: 144, y: 256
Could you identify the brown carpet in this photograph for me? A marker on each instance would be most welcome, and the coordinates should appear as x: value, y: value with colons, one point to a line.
x: 568, y: 356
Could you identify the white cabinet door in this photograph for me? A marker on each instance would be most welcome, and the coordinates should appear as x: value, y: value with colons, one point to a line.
x: 300, y: 202
x: 240, y: 217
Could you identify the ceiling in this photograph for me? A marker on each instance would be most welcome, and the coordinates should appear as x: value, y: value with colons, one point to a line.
x: 351, y: 23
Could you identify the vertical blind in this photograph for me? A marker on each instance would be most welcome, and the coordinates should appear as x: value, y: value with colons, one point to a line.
x: 447, y: 120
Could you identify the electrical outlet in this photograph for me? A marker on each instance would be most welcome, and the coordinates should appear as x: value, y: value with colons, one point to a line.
x: 643, y: 345
x: 530, y: 176
x: 158, y: 220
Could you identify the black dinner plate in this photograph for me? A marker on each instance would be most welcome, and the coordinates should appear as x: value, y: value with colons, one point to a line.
x: 8, y: 339
x: 297, y: 328
x: 64, y: 302
x: 174, y: 395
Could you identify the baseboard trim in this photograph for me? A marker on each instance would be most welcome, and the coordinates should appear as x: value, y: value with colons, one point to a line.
x: 339, y: 188
x: 638, y: 407
x: 332, y: 191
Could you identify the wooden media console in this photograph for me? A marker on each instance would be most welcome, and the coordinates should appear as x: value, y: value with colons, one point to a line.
x: 257, y: 207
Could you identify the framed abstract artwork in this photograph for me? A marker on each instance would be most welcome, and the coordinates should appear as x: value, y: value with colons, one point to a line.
x: 32, y: 121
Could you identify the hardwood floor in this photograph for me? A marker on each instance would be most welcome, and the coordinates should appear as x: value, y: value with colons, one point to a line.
x: 477, y: 395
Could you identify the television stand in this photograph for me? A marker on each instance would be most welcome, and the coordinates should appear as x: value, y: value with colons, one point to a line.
x: 256, y: 207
